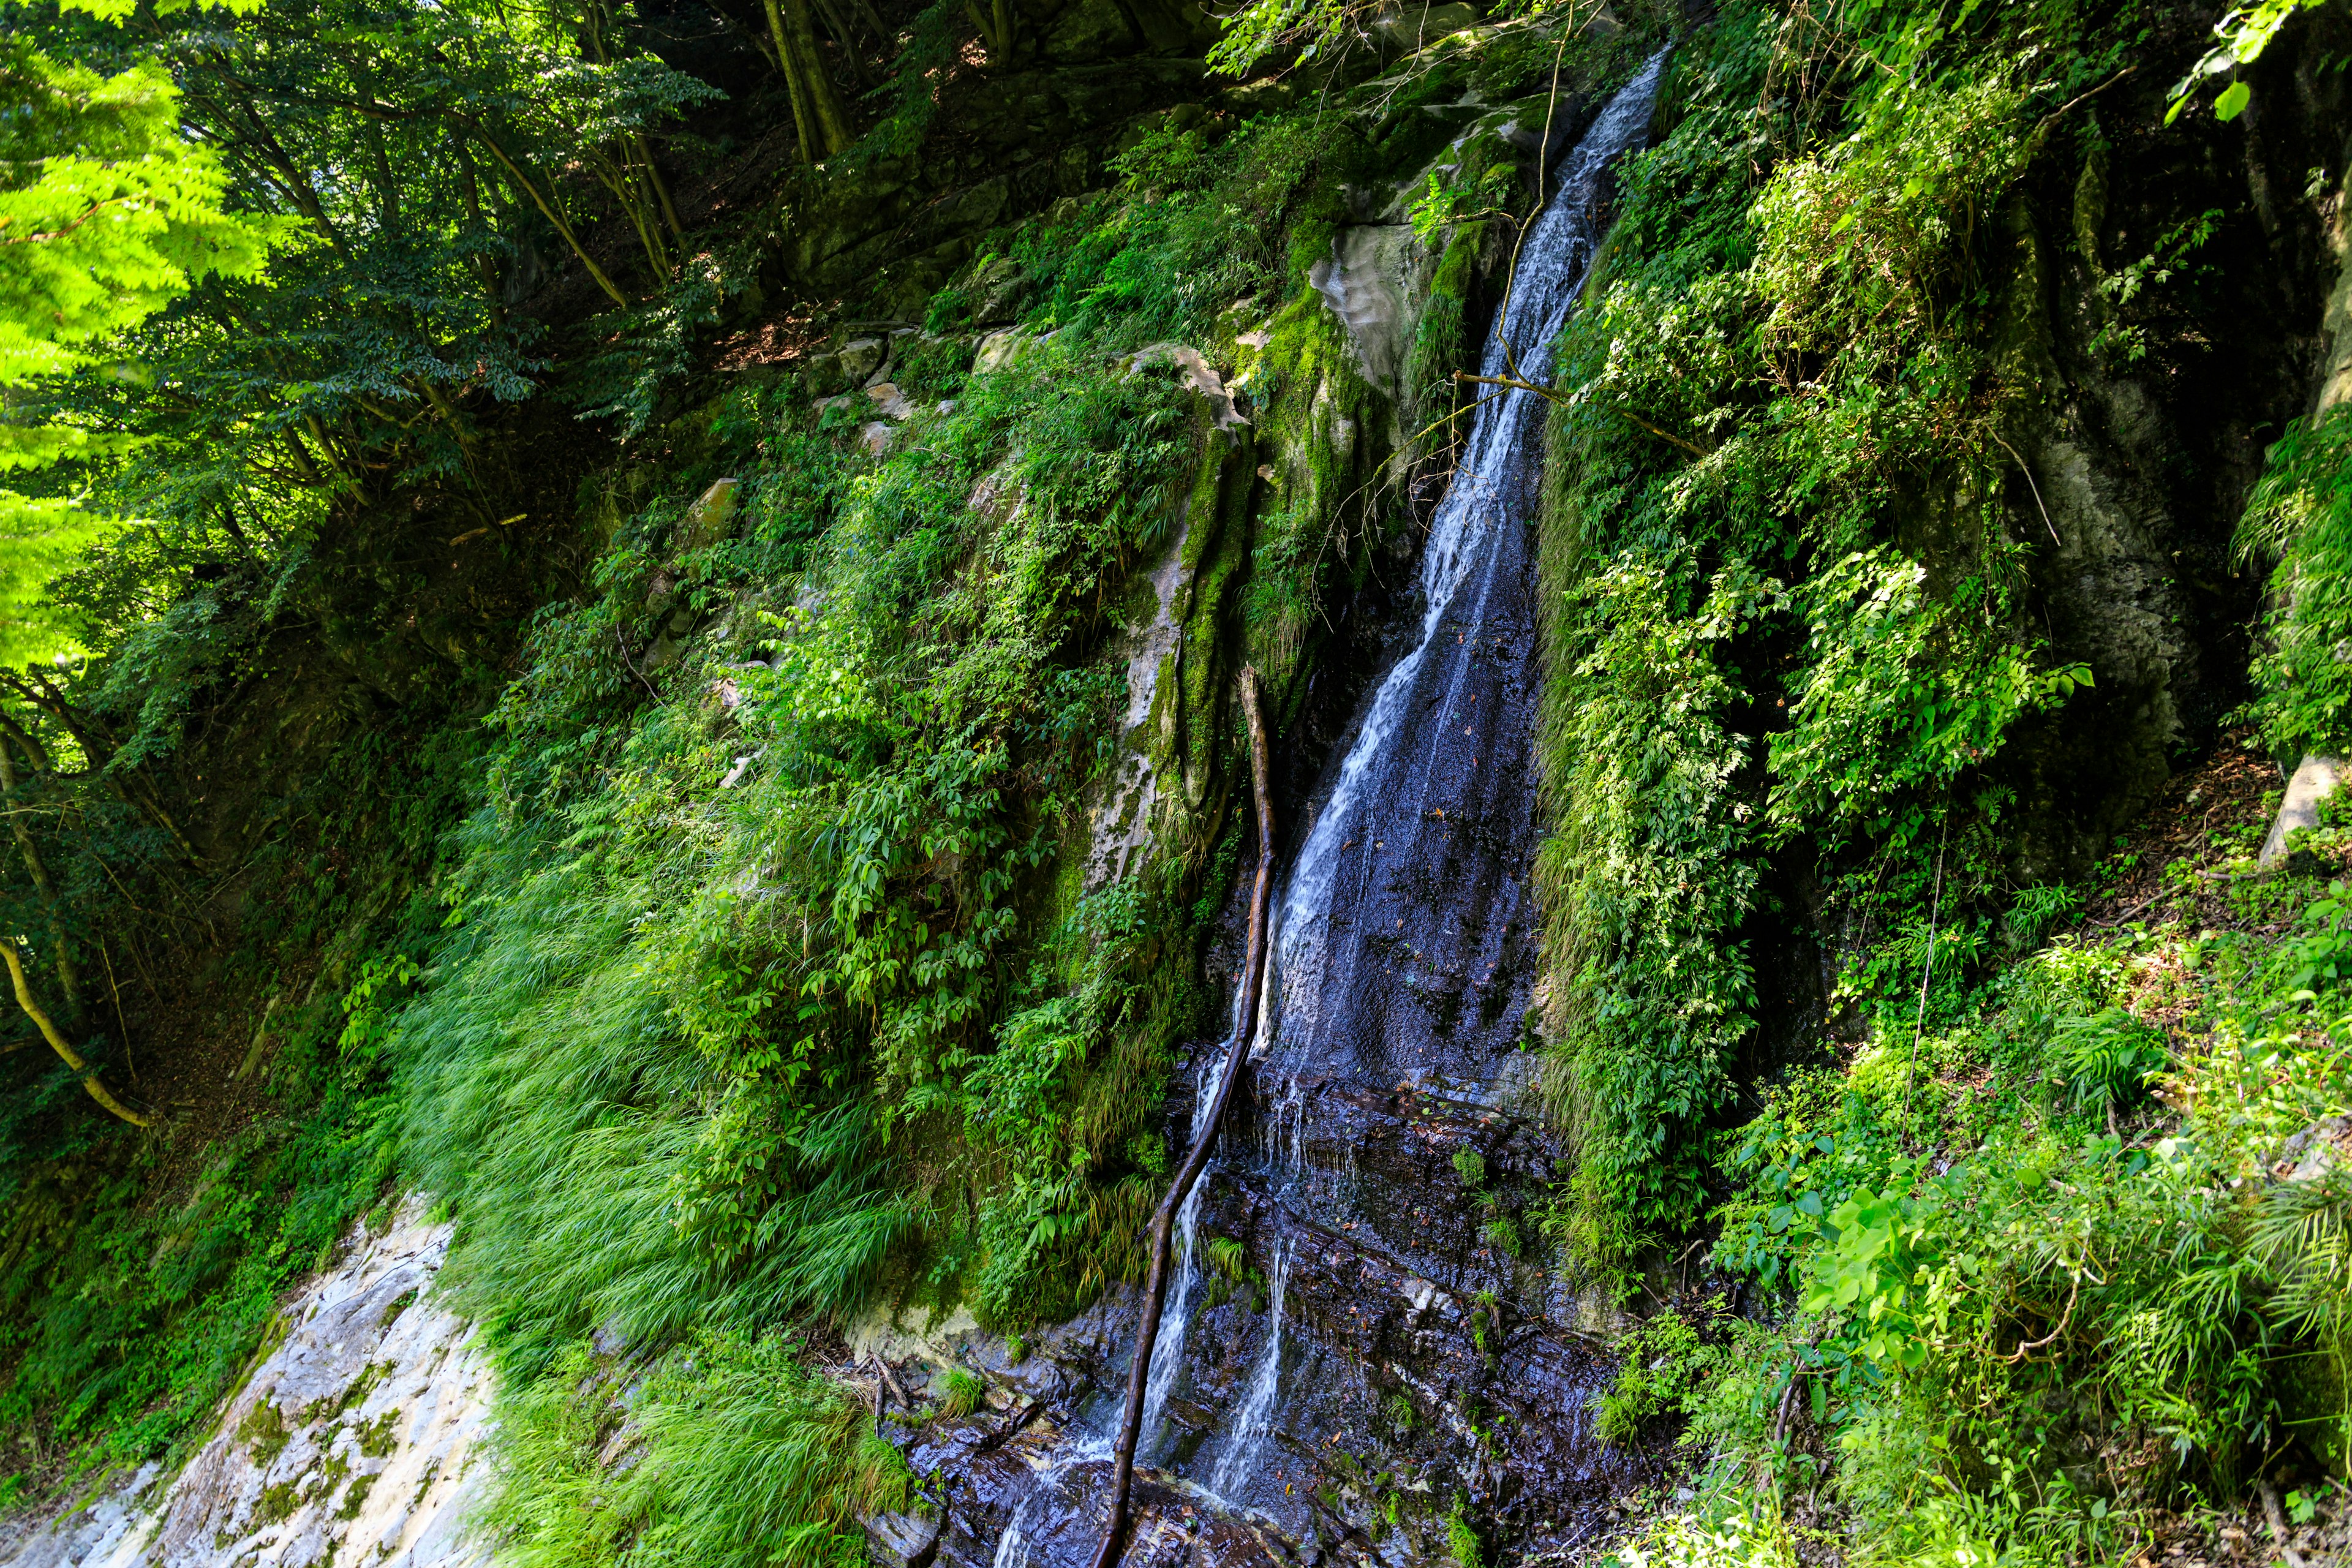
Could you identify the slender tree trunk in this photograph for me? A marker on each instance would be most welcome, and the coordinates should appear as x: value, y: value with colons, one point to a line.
x: 838, y: 26
x: 804, y: 122
x: 660, y: 185
x: 69, y: 978
x: 485, y: 269
x: 825, y: 102
x: 1164, y: 1222
x: 90, y: 1079
x: 548, y: 208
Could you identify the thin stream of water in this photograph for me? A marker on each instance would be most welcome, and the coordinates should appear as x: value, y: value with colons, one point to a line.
x: 1493, y: 488
x: 1255, y: 1422
x: 1323, y: 1013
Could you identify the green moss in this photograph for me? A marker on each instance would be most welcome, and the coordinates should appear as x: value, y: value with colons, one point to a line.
x: 356, y: 1497
x: 354, y: 1394
x: 263, y: 1433
x: 278, y: 1503
x: 378, y: 1437
x: 1325, y: 432
x: 1191, y: 731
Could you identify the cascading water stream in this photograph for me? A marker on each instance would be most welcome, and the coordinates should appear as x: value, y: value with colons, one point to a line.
x: 1390, y: 779
x: 1256, y: 1422
x: 1410, y: 886
x: 1398, y: 938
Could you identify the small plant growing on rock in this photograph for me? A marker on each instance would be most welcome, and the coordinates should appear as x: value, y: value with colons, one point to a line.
x: 1461, y: 1541
x: 1470, y: 1166
x: 965, y: 1393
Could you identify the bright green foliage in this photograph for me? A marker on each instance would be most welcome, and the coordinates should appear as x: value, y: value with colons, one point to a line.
x: 2301, y: 516
x: 1965, y: 1323
x: 2244, y: 32
x: 1662, y: 1363
x: 1785, y: 602
x: 419, y: 173
x: 1462, y: 1542
x: 965, y: 1393
x: 731, y: 1083
x: 109, y: 214
x: 1649, y: 872
x: 1905, y: 693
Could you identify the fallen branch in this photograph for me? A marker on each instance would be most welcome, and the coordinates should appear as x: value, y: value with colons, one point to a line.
x: 1163, y: 1223
x: 2276, y: 1519
x: 1554, y: 395
x: 2035, y: 488
x: 58, y: 1042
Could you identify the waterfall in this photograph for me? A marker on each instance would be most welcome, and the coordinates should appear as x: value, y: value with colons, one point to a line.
x: 1257, y: 1419
x: 1392, y: 782
x: 1403, y: 933
x: 1400, y: 933
x: 1168, y: 1355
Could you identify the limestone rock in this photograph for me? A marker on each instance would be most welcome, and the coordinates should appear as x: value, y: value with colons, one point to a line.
x: 353, y: 1440
x: 1368, y: 281
x: 706, y: 521
x: 1198, y: 373
x: 1409, y: 27
x: 861, y: 357
x: 2314, y: 782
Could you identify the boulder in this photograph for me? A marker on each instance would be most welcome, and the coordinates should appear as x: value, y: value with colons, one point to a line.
x: 1369, y: 281
x: 2314, y: 782
x: 1409, y: 27
x: 861, y: 357
x: 710, y: 519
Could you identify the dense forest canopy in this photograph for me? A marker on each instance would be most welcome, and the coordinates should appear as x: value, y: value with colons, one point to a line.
x: 619, y: 635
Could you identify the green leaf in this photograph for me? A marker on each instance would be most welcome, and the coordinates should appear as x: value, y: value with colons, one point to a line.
x: 2232, y: 101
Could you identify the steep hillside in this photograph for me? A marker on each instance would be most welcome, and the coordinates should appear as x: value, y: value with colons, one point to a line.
x: 674, y: 700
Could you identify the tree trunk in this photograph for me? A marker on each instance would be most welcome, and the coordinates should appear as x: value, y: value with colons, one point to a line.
x: 825, y: 102
x: 803, y: 121
x: 1164, y: 1222
x: 58, y: 1042
x: 69, y: 978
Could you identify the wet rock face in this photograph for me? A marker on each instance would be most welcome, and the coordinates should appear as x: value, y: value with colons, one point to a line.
x: 2146, y: 427
x: 1356, y: 1349
x: 350, y: 1442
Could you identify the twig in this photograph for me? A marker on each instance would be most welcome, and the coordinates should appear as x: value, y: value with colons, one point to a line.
x: 129, y: 1061
x: 1788, y: 1399
x: 2063, y: 1318
x: 889, y: 1377
x: 2052, y: 117
x: 2035, y: 488
x: 1554, y: 395
x: 2277, y: 1519
x: 631, y: 663
x: 1164, y: 1222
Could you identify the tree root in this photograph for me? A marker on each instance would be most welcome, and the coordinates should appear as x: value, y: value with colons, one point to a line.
x: 1164, y: 1222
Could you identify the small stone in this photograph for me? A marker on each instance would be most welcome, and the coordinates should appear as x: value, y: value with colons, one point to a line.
x: 861, y: 357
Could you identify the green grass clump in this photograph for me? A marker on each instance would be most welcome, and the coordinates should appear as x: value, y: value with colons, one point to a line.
x: 743, y: 1457
x: 965, y: 1393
